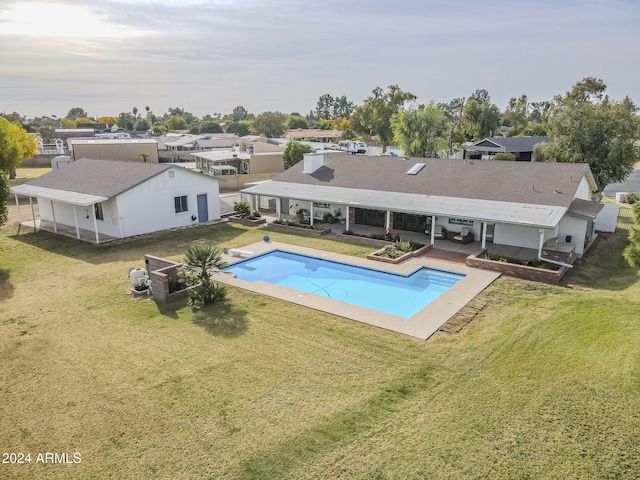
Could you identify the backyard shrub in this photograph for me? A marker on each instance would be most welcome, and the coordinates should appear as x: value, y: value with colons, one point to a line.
x: 509, y: 157
x: 631, y: 198
x: 256, y: 213
x: 403, y: 246
x: 242, y: 208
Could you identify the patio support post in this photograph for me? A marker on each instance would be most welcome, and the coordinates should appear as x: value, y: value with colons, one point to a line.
x: 541, y: 242
x: 33, y: 213
x: 311, y: 213
x: 388, y: 222
x: 433, y: 229
x: 484, y: 234
x: 95, y: 223
x: 53, y: 214
x: 75, y: 221
x: 18, y: 208
x: 278, y: 208
x: 346, y: 222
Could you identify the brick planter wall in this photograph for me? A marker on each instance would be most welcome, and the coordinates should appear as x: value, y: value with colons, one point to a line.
x: 246, y: 222
x: 307, y: 232
x: 161, y: 271
x: 519, y: 271
x: 402, y: 258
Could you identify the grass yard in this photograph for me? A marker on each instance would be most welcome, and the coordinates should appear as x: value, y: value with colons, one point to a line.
x: 545, y: 383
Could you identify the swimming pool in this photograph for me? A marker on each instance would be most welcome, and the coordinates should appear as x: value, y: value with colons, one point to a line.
x: 399, y: 295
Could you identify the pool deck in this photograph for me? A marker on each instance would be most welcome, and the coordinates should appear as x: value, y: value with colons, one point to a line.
x: 422, y: 325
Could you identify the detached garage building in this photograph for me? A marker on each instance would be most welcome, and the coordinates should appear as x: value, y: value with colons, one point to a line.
x: 121, y: 199
x: 128, y: 149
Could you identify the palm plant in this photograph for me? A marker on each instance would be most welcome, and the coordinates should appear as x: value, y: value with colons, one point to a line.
x: 199, y: 262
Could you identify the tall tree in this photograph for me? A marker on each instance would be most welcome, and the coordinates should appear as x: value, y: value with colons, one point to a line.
x: 373, y: 117
x: 516, y: 115
x: 210, y: 127
x: 240, y: 128
x: 76, y: 112
x: 589, y: 127
x: 632, y: 251
x: 270, y: 124
x: 4, y: 197
x: 324, y: 107
x: 296, y: 121
x: 15, y: 145
x: 342, y: 108
x: 294, y: 152
x: 454, y: 114
x: 142, y: 125
x: 420, y: 132
x: 239, y: 114
x: 176, y: 122
x: 126, y: 120
x: 481, y: 118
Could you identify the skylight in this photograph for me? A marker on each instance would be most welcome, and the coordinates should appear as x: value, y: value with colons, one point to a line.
x: 415, y: 169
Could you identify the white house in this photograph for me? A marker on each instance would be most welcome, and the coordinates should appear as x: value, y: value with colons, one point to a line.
x: 122, y: 199
x: 520, y: 204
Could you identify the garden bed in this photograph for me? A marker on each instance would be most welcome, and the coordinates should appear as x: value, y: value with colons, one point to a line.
x: 298, y: 229
x: 526, y: 272
x: 247, y: 221
x: 378, y: 255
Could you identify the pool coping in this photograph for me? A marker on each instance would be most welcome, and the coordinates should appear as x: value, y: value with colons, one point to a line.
x: 421, y: 325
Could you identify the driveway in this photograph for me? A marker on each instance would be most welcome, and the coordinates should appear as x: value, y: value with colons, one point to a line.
x: 630, y: 185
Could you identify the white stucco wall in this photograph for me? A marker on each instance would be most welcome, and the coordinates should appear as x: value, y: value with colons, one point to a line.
x: 575, y: 227
x: 64, y: 216
x: 583, y: 191
x: 150, y: 207
x: 519, y: 236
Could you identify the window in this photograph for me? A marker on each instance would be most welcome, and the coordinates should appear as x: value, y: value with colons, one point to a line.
x: 181, y: 204
x: 97, y: 208
x: 461, y: 221
x: 321, y: 205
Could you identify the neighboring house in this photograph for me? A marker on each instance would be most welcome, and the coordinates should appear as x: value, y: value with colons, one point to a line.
x: 521, y: 147
x: 127, y: 149
x: 242, y: 161
x: 188, y: 142
x: 325, y: 136
x: 122, y: 199
x: 507, y: 203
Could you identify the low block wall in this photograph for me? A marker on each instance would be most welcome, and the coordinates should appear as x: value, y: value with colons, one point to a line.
x: 519, y: 271
x: 246, y: 222
x: 306, y: 232
x: 402, y: 258
x: 161, y: 272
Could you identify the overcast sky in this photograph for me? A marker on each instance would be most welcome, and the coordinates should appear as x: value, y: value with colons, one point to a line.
x: 209, y: 56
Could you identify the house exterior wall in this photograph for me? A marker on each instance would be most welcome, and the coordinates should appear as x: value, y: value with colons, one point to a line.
x: 149, y: 207
x: 117, y: 151
x: 519, y: 236
x: 64, y: 216
x: 266, y: 164
x: 575, y: 227
x: 584, y: 190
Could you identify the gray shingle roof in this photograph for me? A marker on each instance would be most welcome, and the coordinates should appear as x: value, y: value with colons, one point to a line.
x: 585, y: 208
x: 520, y: 182
x: 106, y: 178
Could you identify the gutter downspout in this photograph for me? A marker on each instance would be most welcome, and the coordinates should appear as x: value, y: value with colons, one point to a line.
x: 541, y: 258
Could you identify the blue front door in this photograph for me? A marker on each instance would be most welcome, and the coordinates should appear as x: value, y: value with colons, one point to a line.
x: 203, y: 208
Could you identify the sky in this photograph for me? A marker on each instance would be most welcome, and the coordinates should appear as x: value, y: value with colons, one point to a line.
x: 208, y: 56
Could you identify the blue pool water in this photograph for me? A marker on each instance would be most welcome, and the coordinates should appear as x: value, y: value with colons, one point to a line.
x: 391, y: 293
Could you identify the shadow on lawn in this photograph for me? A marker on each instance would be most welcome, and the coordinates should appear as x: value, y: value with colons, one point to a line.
x: 6, y: 287
x: 222, y: 319
x: 167, y: 243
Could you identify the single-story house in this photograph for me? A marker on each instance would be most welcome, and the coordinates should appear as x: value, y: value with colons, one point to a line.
x: 122, y: 199
x: 188, y: 142
x: 521, y: 147
x: 325, y: 136
x: 510, y: 203
x: 127, y: 149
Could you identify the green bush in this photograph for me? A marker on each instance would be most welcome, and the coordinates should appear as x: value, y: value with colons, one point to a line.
x: 509, y: 157
x: 242, y: 208
x: 631, y: 198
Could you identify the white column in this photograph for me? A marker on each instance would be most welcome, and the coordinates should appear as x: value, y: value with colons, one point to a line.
x: 483, y: 228
x: 95, y: 223
x: 278, y: 207
x: 18, y: 208
x: 388, y: 222
x: 33, y: 213
x: 346, y: 223
x: 433, y: 230
x: 311, y: 213
x: 53, y: 213
x: 75, y: 221
x: 541, y: 242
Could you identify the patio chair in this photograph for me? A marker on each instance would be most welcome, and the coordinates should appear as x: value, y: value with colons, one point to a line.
x: 439, y: 232
x: 465, y: 236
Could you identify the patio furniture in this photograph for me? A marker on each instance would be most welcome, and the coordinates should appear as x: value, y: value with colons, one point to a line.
x: 237, y: 252
x: 465, y: 236
x: 439, y: 232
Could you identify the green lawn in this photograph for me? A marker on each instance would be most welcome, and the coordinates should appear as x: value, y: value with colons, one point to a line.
x: 545, y: 383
